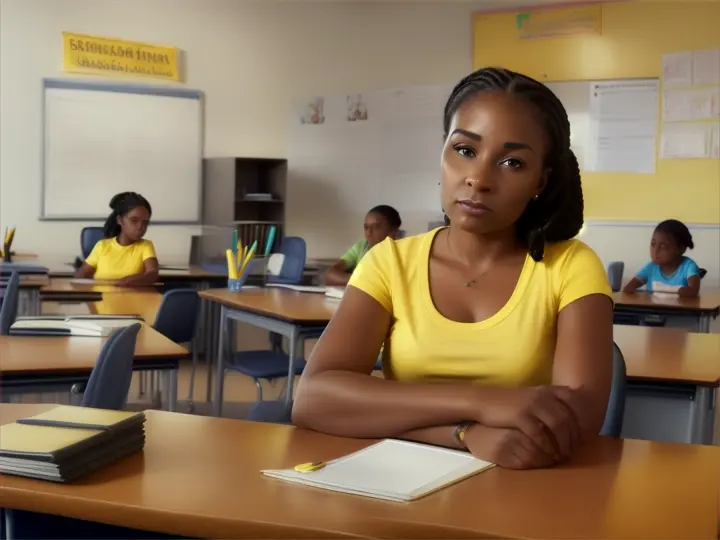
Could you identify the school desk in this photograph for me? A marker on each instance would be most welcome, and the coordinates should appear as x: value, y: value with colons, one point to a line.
x: 699, y: 311
x: 143, y: 304
x: 28, y: 363
x: 673, y: 379
x: 200, y: 477
x: 29, y: 302
x: 296, y: 316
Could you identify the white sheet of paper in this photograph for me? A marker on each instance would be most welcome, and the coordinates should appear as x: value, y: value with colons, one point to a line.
x: 706, y: 67
x: 677, y: 69
x: 681, y: 140
x: 694, y: 104
x: 623, y: 120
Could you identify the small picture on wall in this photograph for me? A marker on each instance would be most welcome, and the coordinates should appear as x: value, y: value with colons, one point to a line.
x: 356, y: 108
x: 313, y: 112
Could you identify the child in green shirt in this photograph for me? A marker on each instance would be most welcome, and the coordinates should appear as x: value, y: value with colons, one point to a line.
x: 380, y: 222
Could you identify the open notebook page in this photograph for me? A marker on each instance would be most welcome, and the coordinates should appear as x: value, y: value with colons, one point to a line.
x: 391, y: 469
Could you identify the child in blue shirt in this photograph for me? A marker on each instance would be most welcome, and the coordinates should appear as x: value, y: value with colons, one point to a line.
x: 669, y: 269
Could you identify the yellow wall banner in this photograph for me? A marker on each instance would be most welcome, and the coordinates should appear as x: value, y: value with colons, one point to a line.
x: 104, y: 56
x: 560, y: 22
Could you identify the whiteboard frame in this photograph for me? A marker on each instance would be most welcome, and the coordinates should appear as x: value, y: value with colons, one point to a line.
x: 149, y: 90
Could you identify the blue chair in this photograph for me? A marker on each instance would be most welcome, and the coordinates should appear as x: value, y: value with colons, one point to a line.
x: 271, y: 412
x: 177, y: 320
x: 295, y: 251
x: 615, y: 272
x: 90, y: 236
x: 612, y: 427
x: 8, y: 311
x: 109, y: 381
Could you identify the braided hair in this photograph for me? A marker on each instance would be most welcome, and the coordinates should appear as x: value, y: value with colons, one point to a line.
x: 389, y: 213
x: 121, y: 204
x: 679, y: 231
x: 557, y: 214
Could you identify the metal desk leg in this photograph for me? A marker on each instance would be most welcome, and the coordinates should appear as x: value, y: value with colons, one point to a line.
x: 702, y: 419
x: 703, y: 323
x: 212, y: 317
x: 292, y: 353
x: 220, y: 362
x: 171, y: 384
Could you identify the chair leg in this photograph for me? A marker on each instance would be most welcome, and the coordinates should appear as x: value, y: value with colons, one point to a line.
x: 142, y: 382
x: 284, y: 390
x: 191, y: 391
x: 259, y: 390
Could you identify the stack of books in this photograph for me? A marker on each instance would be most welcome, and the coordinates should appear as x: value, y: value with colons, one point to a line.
x: 66, y: 443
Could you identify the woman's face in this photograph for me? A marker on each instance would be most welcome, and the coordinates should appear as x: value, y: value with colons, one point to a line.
x: 492, y: 162
x: 135, y: 223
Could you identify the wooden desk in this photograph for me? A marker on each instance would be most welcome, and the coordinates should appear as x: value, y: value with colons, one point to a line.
x: 200, y: 477
x: 65, y: 287
x: 673, y: 379
x: 36, y: 361
x: 701, y: 309
x: 297, y: 316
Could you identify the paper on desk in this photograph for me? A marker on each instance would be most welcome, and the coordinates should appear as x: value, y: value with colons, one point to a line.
x: 706, y: 67
x: 687, y: 140
x: 677, y: 69
x: 695, y: 104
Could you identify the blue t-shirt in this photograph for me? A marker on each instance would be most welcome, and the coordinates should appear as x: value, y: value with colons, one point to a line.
x: 652, y: 276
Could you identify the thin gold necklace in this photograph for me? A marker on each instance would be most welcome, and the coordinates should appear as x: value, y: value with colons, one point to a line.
x: 473, y: 281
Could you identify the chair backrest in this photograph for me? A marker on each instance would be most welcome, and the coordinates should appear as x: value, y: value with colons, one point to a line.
x: 177, y: 316
x: 615, y: 272
x: 109, y: 381
x: 90, y: 236
x: 612, y: 427
x: 702, y: 272
x: 10, y: 299
x: 295, y: 252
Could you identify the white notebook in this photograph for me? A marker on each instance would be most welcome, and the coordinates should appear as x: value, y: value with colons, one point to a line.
x: 393, y: 470
x: 299, y: 288
x: 68, y: 326
x: 335, y: 292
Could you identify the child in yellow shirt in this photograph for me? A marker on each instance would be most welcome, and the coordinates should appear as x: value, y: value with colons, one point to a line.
x: 123, y: 255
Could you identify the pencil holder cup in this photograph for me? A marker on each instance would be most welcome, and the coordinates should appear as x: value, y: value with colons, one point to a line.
x: 236, y: 285
x: 7, y: 255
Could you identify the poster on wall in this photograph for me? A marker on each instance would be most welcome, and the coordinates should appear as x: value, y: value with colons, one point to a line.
x: 107, y: 56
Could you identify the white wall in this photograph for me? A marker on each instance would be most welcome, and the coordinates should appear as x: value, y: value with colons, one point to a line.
x: 253, y: 60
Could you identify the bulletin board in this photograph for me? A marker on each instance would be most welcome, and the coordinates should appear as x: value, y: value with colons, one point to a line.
x: 633, y: 38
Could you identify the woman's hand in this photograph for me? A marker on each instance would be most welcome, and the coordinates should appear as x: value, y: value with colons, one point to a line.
x: 508, y: 448
x: 544, y: 414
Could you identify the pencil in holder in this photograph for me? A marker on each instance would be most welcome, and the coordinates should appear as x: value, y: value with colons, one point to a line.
x: 236, y: 285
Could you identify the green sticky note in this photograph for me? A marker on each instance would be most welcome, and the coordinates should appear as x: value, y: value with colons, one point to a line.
x: 520, y: 18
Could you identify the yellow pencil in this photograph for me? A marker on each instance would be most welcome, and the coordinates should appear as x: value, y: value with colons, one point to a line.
x: 247, y: 259
x: 232, y: 266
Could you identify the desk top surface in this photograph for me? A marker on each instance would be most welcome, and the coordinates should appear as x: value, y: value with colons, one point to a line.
x: 37, y: 354
x: 200, y: 476
x: 283, y: 304
x: 708, y: 301
x: 669, y: 354
x: 65, y: 286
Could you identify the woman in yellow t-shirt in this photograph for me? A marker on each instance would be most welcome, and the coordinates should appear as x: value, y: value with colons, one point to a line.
x: 123, y: 255
x: 503, y: 298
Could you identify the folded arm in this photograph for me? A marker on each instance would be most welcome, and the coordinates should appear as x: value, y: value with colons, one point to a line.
x: 338, y: 395
x: 85, y: 271
x: 337, y: 276
x: 692, y: 289
x: 147, y: 278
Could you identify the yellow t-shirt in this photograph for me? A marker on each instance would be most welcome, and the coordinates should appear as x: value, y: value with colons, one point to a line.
x: 113, y: 261
x: 514, y: 347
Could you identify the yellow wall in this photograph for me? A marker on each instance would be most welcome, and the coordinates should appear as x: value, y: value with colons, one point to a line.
x: 634, y: 37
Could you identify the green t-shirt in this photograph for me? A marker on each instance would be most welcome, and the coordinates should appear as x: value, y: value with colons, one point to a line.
x: 353, y: 255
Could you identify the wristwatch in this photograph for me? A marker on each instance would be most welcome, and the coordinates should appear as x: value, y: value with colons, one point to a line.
x: 459, y: 433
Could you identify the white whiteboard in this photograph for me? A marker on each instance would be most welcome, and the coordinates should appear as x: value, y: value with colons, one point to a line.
x: 575, y: 96
x: 100, y: 140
